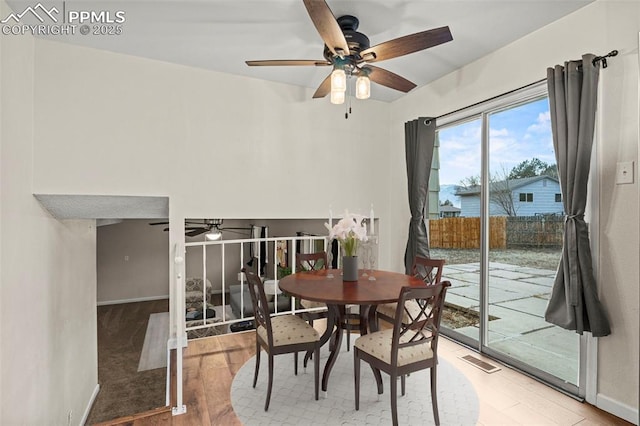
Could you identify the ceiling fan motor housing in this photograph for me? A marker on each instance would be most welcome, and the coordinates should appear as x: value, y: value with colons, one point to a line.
x: 356, y: 41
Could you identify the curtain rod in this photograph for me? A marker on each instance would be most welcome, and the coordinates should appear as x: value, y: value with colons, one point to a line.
x: 603, y: 59
x: 595, y: 60
x: 491, y: 98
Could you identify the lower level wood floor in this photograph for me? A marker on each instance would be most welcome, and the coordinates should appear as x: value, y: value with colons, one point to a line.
x: 506, y: 397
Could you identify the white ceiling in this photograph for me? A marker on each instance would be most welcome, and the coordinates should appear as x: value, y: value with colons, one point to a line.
x: 221, y: 34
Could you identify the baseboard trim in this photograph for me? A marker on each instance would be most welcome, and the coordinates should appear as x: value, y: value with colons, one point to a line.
x: 87, y: 410
x: 137, y: 299
x: 617, y: 408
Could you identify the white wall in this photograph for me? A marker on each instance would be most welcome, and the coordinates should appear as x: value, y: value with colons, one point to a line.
x: 47, y: 273
x: 218, y: 145
x: 597, y: 28
x: 132, y: 262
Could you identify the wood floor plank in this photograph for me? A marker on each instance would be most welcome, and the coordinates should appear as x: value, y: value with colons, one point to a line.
x: 490, y: 416
x: 217, y: 384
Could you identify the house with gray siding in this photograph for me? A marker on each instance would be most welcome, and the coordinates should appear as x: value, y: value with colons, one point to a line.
x: 515, y: 197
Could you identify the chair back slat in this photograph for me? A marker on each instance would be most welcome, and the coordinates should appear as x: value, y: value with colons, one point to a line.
x: 428, y: 270
x: 423, y: 327
x: 258, y: 300
x: 311, y: 261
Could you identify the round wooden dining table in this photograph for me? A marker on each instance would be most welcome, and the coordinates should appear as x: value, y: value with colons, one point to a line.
x: 326, y: 285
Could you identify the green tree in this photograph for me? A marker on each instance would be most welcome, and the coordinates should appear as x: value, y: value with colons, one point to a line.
x: 533, y: 167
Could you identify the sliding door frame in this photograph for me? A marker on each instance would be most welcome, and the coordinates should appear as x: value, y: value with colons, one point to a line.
x: 587, y: 353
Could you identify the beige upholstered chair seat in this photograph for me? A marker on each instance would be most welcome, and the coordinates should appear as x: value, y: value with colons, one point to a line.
x: 289, y: 330
x: 310, y: 304
x: 378, y: 344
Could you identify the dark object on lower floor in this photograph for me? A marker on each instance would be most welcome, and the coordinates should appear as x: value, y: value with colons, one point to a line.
x: 242, y: 326
x: 197, y: 315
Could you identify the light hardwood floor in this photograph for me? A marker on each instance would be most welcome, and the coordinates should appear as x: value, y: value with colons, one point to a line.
x: 506, y: 397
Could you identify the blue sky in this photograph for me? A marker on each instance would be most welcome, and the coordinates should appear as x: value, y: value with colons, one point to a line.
x: 516, y: 134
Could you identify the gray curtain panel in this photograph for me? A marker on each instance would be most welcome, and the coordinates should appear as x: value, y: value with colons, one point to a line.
x: 419, y: 138
x: 574, y: 303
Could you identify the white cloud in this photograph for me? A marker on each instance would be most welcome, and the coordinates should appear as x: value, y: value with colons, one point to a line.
x: 542, y: 124
x: 498, y: 132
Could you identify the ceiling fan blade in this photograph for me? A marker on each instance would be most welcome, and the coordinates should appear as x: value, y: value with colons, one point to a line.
x: 159, y: 223
x: 327, y: 26
x: 190, y: 228
x: 407, y: 44
x: 236, y: 232
x: 389, y: 79
x: 288, y: 62
x: 196, y: 232
x: 324, y: 88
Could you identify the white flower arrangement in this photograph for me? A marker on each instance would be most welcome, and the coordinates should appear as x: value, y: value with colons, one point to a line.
x: 349, y: 231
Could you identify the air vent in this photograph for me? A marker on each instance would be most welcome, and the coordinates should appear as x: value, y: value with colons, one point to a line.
x: 482, y: 365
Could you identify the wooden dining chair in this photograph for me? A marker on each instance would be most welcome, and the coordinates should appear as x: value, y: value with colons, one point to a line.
x: 279, y: 335
x: 312, y: 262
x: 429, y: 271
x: 407, y: 347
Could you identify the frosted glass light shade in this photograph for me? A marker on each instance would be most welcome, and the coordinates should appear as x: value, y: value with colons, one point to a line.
x: 363, y: 87
x: 338, y: 81
x: 213, y: 235
x: 337, y: 97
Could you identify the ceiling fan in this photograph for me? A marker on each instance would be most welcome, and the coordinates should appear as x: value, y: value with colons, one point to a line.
x: 349, y: 53
x: 212, y: 227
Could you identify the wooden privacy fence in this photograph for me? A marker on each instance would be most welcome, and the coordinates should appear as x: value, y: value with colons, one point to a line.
x: 464, y: 232
x: 505, y: 232
x: 535, y: 231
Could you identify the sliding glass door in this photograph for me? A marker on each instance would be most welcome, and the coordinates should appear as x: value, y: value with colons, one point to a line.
x: 456, y: 239
x: 525, y: 241
x: 500, y: 232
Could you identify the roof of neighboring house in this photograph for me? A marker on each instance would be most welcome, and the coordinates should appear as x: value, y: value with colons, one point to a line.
x: 450, y: 209
x: 512, y: 184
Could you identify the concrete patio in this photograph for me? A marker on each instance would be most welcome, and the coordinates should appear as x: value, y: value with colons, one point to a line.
x: 518, y: 297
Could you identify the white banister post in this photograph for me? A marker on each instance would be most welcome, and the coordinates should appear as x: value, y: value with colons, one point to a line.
x: 224, y: 283
x: 180, y: 408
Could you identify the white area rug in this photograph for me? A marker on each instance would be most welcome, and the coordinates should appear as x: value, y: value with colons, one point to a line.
x: 293, y: 403
x: 154, y: 349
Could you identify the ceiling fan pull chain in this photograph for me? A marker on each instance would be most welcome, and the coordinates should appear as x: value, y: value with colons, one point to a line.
x: 348, y: 104
x: 346, y: 107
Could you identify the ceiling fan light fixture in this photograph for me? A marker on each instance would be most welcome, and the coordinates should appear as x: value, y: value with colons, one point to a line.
x: 338, y: 81
x: 337, y: 97
x: 363, y: 87
x: 213, y: 235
